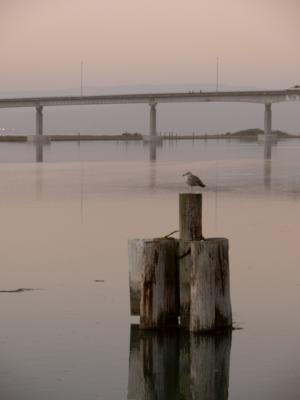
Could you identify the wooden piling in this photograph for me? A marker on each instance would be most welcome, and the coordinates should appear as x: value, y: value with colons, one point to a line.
x: 190, y: 216
x: 135, y: 260
x: 210, y: 307
x: 202, y: 308
x: 187, y: 278
x: 223, y: 311
x: 190, y: 228
x: 203, y: 271
x: 185, y: 267
x: 159, y: 306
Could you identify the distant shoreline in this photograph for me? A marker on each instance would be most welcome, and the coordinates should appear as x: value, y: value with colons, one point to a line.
x: 247, y: 135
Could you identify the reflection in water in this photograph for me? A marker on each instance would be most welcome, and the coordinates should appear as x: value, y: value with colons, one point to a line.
x: 38, y: 182
x: 152, y: 151
x: 153, y: 146
x: 39, y: 152
x: 39, y: 171
x: 153, y: 365
x: 268, y: 147
x: 267, y: 173
x: 267, y: 163
x: 152, y: 157
x: 177, y: 365
x: 152, y: 175
x: 81, y: 191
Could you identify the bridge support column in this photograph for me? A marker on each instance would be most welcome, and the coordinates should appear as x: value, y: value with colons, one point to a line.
x: 268, y: 119
x: 39, y: 120
x: 152, y: 119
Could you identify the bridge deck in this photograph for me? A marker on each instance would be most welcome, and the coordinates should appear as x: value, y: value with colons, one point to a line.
x: 270, y: 96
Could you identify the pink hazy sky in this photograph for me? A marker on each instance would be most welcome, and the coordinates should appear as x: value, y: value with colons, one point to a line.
x: 125, y: 42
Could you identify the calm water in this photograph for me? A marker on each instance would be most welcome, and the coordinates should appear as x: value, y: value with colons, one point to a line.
x: 65, y: 223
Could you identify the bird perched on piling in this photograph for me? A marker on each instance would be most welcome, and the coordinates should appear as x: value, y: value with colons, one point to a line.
x: 193, y: 180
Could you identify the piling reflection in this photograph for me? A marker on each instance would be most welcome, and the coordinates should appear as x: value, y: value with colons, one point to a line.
x: 177, y: 365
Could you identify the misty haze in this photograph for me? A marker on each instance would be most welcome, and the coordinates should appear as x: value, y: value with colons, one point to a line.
x: 150, y: 196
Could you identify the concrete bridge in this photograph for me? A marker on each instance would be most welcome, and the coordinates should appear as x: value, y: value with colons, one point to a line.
x: 267, y: 98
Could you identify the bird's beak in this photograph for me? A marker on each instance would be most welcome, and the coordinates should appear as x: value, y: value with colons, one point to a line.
x: 183, y: 174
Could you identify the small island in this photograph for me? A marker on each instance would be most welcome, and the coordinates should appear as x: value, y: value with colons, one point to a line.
x: 246, y: 135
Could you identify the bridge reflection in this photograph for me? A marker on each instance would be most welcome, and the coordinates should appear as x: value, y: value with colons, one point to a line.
x: 177, y: 365
x: 153, y: 146
x: 39, y: 153
x: 267, y: 163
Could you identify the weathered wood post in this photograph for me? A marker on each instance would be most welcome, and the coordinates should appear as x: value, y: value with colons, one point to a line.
x: 198, y: 291
x: 203, y: 272
x: 159, y: 305
x: 135, y: 260
x: 190, y: 228
x: 210, y: 294
x: 153, y: 276
x: 190, y: 216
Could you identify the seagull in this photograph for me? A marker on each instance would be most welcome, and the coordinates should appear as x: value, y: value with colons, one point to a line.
x: 193, y: 180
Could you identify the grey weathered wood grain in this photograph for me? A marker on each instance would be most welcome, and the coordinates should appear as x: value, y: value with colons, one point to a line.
x: 210, y: 307
x: 185, y: 267
x: 159, y: 306
x: 223, y: 313
x: 135, y: 262
x: 190, y: 216
x: 202, y: 308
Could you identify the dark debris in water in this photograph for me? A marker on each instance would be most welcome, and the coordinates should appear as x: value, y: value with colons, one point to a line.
x: 99, y: 280
x: 237, y: 327
x: 20, y: 290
